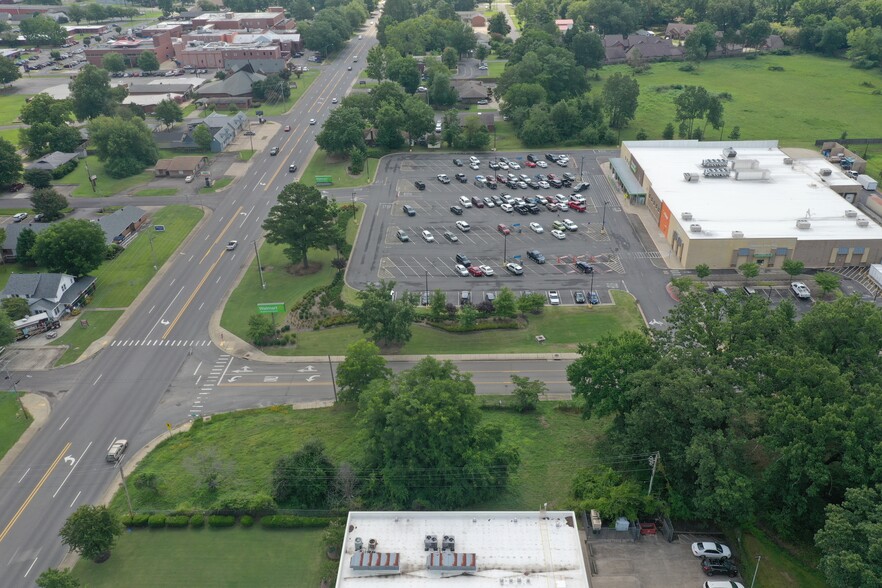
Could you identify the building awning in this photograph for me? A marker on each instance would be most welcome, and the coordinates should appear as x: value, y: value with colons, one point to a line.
x: 629, y: 182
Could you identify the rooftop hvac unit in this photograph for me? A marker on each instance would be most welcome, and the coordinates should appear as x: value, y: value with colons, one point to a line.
x: 788, y: 161
x: 695, y: 228
x: 730, y: 153
x: 737, y: 234
x: 850, y: 213
x: 448, y: 543
x: 825, y: 171
x: 690, y: 177
x: 862, y: 222
x: 803, y: 223
x: 687, y: 216
x: 714, y: 163
x: 430, y: 543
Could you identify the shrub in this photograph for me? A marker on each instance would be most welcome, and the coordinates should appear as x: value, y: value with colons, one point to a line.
x: 236, y: 503
x: 482, y: 325
x: 177, y: 521
x: 197, y: 521
x: 292, y: 522
x: 219, y: 521
x: 775, y: 68
x: 687, y: 67
x: 64, y: 169
x: 246, y: 521
x: 156, y: 521
x: 139, y: 520
x: 113, y: 250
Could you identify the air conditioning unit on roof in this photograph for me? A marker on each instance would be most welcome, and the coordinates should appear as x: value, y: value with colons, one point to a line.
x: 850, y: 213
x: 737, y: 234
x: 695, y: 228
x: 862, y: 222
x: 803, y: 223
x: 687, y: 216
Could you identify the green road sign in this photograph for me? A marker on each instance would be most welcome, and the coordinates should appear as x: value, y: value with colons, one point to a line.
x: 270, y: 307
x: 324, y: 180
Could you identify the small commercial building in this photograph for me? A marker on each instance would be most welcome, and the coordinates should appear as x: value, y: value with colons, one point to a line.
x: 725, y: 203
x: 122, y: 223
x: 180, y: 167
x: 469, y: 549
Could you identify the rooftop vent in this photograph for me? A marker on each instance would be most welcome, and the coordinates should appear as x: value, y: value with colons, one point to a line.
x: 452, y: 562
x: 850, y: 213
x: 714, y: 163
x: 358, y: 544
x: 448, y: 543
x: 788, y: 161
x: 690, y: 177
x: 716, y: 172
x: 687, y: 216
x: 737, y: 234
x: 803, y: 223
x: 730, y: 153
x: 825, y: 171
x: 862, y: 222
x: 430, y: 543
x: 695, y: 228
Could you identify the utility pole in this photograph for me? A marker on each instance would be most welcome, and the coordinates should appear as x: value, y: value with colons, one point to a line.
x: 14, y: 389
x: 259, y: 267
x: 603, y: 222
x: 427, y: 283
x: 504, y: 247
x: 152, y: 253
x: 126, y: 488
x: 653, y: 459
x: 333, y: 379
x: 756, y: 569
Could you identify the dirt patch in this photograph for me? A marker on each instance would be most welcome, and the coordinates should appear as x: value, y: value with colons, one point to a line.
x: 299, y: 270
x: 40, y: 358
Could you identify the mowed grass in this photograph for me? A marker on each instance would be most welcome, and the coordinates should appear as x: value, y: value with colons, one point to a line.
x: 777, y: 567
x: 105, y: 186
x: 10, y: 135
x: 120, y: 280
x: 10, y: 107
x: 495, y: 67
x: 208, y: 557
x: 322, y: 165
x: 812, y: 98
x: 79, y: 338
x: 563, y: 328
x: 13, y: 420
x: 303, y: 84
x: 217, y: 185
x: 553, y: 445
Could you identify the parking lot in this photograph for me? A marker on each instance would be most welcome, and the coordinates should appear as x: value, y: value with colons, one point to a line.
x: 418, y: 264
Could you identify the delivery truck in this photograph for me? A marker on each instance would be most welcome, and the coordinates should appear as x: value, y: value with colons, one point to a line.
x: 867, y: 182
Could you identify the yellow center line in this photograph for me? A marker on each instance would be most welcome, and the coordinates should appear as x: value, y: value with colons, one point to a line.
x: 34, y: 492
x: 192, y: 296
x: 220, y: 234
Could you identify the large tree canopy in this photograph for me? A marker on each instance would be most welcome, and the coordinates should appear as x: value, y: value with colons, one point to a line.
x: 73, y: 247
x: 126, y: 145
x: 90, y: 93
x: 302, y: 219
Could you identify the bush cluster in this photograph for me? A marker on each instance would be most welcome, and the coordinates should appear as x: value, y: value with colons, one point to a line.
x: 139, y: 520
x: 220, y: 521
x: 177, y: 521
x: 329, y: 295
x: 197, y: 521
x: 292, y: 522
x: 246, y: 521
x: 156, y: 521
x: 239, y: 503
x: 481, y: 325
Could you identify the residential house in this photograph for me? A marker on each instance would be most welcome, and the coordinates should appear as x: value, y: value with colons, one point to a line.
x: 621, y: 48
x: 678, y: 31
x: 13, y: 230
x: 470, y: 91
x: 232, y: 90
x: 53, y: 160
x: 122, y: 223
x: 224, y: 128
x: 54, y: 294
x: 174, y: 138
x: 180, y: 167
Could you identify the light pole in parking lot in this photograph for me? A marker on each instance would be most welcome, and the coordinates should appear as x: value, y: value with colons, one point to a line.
x: 353, y: 198
x: 603, y: 221
x: 592, y: 283
x: 582, y: 170
x: 427, y: 282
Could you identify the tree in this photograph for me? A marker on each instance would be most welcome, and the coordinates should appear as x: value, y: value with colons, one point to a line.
x: 24, y: 247
x: 378, y: 59
x: 829, y: 282
x: 849, y: 539
x: 587, y: 48
x: 37, y: 177
x: 793, y: 267
x: 125, y: 146
x: 505, y: 305
x: 42, y: 30
x: 304, y: 478
x: 49, y: 203
x: 273, y: 89
x: 755, y: 33
x: 527, y: 392
x: 342, y: 131
x: 9, y: 72
x: 668, y: 133
x: 91, y: 531
x: 203, y: 137
x: 749, y: 270
x: 90, y: 93
x: 406, y: 72
x: 441, y: 92
x: 210, y: 471
x: 702, y: 270
x: 53, y: 578
x: 426, y: 442
x: 451, y: 130
x: 73, y: 247
x: 539, y: 128
x: 450, y: 58
x: 467, y: 316
x: 531, y: 303
x: 383, y: 318
x: 602, y: 489
x: 482, y: 52
x: 498, y: 24
x: 363, y: 365
x: 15, y: 308
x: 691, y: 103
x: 113, y: 62
x: 438, y: 305
x: 147, y: 61
x: 302, y: 219
x: 260, y: 329
x: 43, y: 108
x: 169, y: 112
x: 390, y: 121
x: 10, y: 163
x: 8, y: 334
x: 419, y: 118
x: 474, y: 135
x: 701, y: 41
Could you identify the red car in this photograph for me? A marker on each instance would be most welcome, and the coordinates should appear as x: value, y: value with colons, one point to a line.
x: 475, y: 271
x: 578, y: 206
x: 503, y: 229
x: 530, y: 164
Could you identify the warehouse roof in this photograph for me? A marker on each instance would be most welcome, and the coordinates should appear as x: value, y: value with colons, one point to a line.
x: 791, y: 190
x: 484, y: 549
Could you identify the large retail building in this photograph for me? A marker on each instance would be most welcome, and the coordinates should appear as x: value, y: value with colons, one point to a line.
x: 725, y: 203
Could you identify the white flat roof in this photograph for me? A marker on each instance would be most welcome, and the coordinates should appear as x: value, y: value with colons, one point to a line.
x: 519, y: 548
x: 758, y: 208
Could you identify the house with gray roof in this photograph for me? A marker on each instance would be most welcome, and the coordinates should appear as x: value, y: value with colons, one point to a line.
x: 13, y: 230
x: 122, y: 223
x: 54, y: 294
x: 53, y: 160
x: 235, y: 88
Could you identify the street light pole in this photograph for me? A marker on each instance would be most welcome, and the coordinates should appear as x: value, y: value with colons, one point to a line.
x: 152, y: 253
x: 582, y: 170
x: 427, y: 282
x: 259, y: 267
x: 353, y: 198
x: 504, y: 248
x: 603, y: 222
x: 756, y: 569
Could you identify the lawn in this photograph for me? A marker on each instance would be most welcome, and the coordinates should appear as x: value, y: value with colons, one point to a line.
x: 777, y: 566
x: 281, y: 285
x: 209, y: 557
x: 320, y: 166
x: 157, y: 192
x: 563, y: 327
x: 121, y: 279
x: 217, y: 185
x: 306, y: 80
x: 495, y: 67
x: 10, y: 107
x: 105, y: 186
x: 13, y: 421
x: 246, y: 154
x: 79, y: 338
x: 10, y: 135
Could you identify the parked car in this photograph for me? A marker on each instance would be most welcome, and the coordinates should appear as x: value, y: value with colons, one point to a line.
x: 711, y: 549
x: 402, y: 236
x: 514, y: 269
x: 457, y: 162
x: 443, y: 178
x: 581, y: 187
x: 570, y: 225
x: 488, y: 202
x: 799, y: 289
x: 456, y: 210
x: 477, y: 202
x: 463, y: 226
x: 579, y: 297
x: 713, y: 567
x: 463, y: 260
x: 593, y: 298
x: 506, y: 207
x: 536, y: 256
x: 537, y: 228
x: 465, y: 201
x: 188, y: 179
x: 450, y: 237
x: 584, y: 267
x: 558, y: 234
x: 503, y: 229
x: 577, y: 206
x: 19, y: 217
x: 475, y: 271
x: 408, y: 210
x: 461, y: 178
x: 553, y: 297
x: 722, y: 584
x: 461, y: 270
x: 420, y: 185
x: 428, y: 237
x: 486, y: 270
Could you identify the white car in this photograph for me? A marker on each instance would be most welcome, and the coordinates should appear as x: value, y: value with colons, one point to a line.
x: 507, y: 207
x: 428, y: 237
x: 19, y: 217
x: 422, y: 89
x: 334, y: 100
x: 536, y: 228
x: 801, y: 290
x: 474, y: 159
x: 312, y: 121
x: 514, y: 269
x: 443, y: 178
x: 461, y: 271
x: 542, y: 163
x: 544, y: 185
x: 475, y: 166
x: 188, y: 179
x: 558, y: 234
x: 465, y: 201
x: 488, y: 202
x: 710, y: 549
x: 570, y: 225
x: 463, y: 226
x: 514, y: 165
x: 488, y: 271
x: 232, y: 245
x: 577, y: 198
x: 553, y: 297
x: 722, y: 584
x: 542, y: 199
x: 502, y: 165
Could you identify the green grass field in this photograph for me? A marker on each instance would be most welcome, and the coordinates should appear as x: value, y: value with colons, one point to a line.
x: 209, y: 557
x: 79, y: 338
x: 303, y: 84
x: 10, y: 135
x: 320, y: 166
x: 778, y: 567
x: 217, y: 185
x: 157, y: 192
x: 120, y: 280
x: 495, y: 67
x: 106, y: 186
x: 246, y: 154
x: 13, y: 421
x: 10, y: 107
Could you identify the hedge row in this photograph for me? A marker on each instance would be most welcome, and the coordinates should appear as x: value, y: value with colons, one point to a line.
x: 478, y: 326
x: 197, y: 521
x: 292, y: 522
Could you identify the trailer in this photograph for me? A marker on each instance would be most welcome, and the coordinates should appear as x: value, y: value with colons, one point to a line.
x: 876, y: 273
x: 867, y: 182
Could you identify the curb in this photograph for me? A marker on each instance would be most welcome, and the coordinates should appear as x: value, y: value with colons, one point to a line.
x: 38, y: 408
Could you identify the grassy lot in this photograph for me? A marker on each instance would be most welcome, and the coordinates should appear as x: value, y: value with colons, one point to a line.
x: 80, y: 338
x: 157, y: 192
x: 13, y: 421
x: 217, y: 185
x: 281, y: 286
x: 246, y: 154
x: 777, y: 567
x: 495, y: 67
x: 303, y: 84
x: 171, y: 153
x: 320, y: 166
x: 106, y: 186
x: 209, y: 557
x: 10, y: 107
x: 189, y: 108
x: 10, y: 135
x: 120, y: 280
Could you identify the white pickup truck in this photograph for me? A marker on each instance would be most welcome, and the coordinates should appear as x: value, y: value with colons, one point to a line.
x: 116, y: 450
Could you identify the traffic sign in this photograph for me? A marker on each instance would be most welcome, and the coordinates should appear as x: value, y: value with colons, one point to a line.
x: 270, y: 307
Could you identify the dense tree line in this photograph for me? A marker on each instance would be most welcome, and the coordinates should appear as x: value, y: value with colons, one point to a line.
x: 756, y: 415
x: 423, y: 27
x: 332, y: 26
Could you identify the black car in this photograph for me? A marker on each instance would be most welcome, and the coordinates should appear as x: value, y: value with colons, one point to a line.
x: 578, y: 297
x: 493, y: 165
x: 457, y: 162
x: 521, y: 209
x: 713, y: 567
x: 584, y: 267
x: 456, y: 210
x: 581, y: 187
x: 531, y: 157
x: 463, y: 260
x: 555, y: 183
x: 536, y: 255
x: 551, y: 157
x: 491, y: 184
x: 462, y: 178
x: 408, y: 210
x: 420, y: 185
x: 533, y: 208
